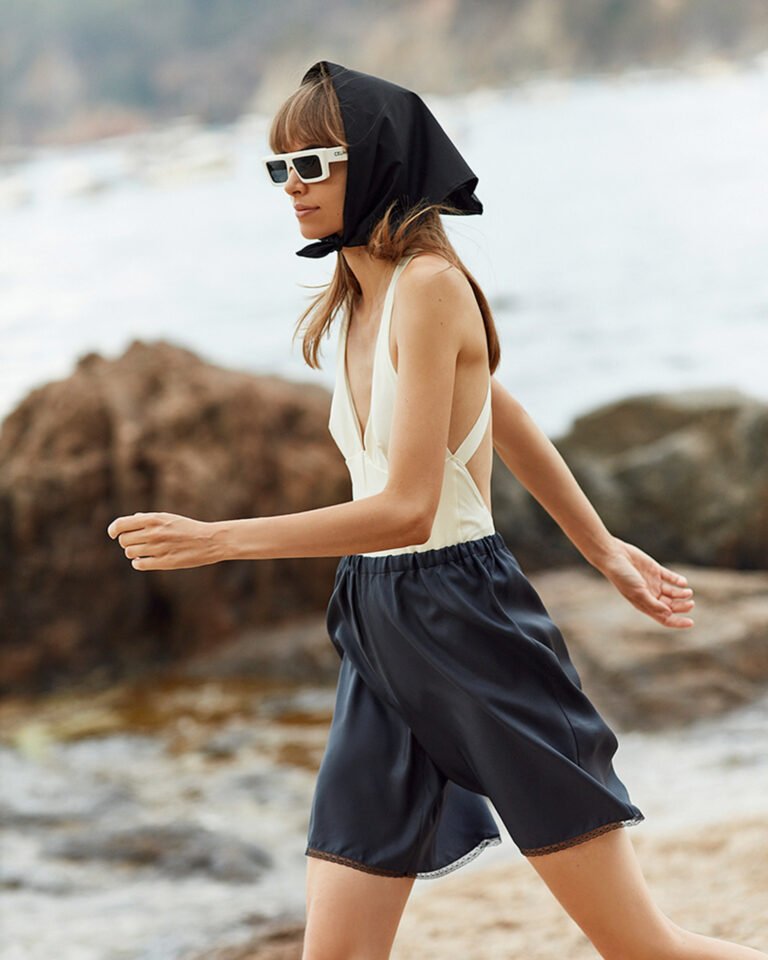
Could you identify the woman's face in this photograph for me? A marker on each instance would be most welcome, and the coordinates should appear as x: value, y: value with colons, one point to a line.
x: 326, y: 197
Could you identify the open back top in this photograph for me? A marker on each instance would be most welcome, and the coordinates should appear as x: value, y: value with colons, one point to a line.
x: 462, y: 513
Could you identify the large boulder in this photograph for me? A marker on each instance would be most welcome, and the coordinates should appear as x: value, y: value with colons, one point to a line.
x: 683, y: 475
x: 157, y: 429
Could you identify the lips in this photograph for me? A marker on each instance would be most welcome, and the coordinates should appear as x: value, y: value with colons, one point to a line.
x: 299, y: 207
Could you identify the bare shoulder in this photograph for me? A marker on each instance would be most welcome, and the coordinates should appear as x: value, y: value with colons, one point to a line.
x: 436, y: 295
x: 431, y: 276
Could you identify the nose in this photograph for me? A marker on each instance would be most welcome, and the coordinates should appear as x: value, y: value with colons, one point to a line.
x: 293, y: 182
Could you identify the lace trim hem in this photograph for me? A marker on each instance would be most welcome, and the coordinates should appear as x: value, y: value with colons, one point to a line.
x: 470, y: 855
x: 383, y: 872
x: 582, y: 837
x: 357, y: 864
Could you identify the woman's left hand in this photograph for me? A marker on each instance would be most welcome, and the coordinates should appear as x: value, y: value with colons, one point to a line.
x: 166, y: 541
x: 655, y: 590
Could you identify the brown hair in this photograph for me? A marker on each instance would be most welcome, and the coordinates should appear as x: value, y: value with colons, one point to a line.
x: 312, y: 115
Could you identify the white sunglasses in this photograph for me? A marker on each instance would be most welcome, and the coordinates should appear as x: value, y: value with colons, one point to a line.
x: 310, y: 165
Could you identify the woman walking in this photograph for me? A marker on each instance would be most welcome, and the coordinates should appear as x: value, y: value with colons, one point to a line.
x: 454, y: 683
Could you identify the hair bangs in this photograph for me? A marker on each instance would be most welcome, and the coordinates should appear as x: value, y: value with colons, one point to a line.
x: 309, y: 117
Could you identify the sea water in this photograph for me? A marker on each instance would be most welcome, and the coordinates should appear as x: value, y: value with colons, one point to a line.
x: 623, y: 245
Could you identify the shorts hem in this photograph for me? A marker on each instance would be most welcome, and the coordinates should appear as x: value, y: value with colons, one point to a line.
x: 455, y: 864
x: 421, y: 875
x: 356, y: 864
x: 582, y: 837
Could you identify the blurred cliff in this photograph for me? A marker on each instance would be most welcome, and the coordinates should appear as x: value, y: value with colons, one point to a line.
x: 74, y: 70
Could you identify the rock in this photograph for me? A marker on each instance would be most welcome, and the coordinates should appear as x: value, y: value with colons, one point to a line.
x: 684, y: 476
x: 681, y: 475
x: 642, y: 675
x: 299, y: 650
x: 177, y: 849
x: 157, y: 429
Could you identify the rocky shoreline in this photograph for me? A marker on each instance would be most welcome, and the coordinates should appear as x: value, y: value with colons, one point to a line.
x: 178, y: 813
x: 683, y: 475
x: 159, y: 736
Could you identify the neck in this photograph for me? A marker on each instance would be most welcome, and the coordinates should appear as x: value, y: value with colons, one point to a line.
x: 372, y: 274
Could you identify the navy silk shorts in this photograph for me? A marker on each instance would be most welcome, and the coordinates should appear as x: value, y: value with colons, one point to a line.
x: 455, y: 687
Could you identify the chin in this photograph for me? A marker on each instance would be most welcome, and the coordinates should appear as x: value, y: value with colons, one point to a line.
x: 314, y: 232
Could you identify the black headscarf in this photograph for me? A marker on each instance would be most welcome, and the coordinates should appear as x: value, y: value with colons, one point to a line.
x: 397, y: 151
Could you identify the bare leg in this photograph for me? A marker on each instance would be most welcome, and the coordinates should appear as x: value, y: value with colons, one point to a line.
x: 351, y: 914
x: 601, y: 886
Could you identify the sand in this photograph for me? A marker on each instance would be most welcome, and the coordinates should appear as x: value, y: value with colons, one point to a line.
x: 712, y: 880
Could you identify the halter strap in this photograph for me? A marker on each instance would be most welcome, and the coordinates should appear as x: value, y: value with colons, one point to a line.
x: 471, y: 442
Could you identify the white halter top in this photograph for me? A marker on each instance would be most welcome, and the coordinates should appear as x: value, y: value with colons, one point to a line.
x: 462, y: 513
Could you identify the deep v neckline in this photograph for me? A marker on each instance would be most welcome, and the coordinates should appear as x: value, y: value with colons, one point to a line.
x: 361, y: 433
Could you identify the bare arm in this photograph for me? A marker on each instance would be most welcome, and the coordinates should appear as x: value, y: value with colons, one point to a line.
x: 531, y: 456
x: 357, y: 526
x: 429, y: 339
x: 536, y: 462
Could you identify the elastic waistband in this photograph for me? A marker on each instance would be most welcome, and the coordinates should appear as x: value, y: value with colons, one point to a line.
x: 415, y: 559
